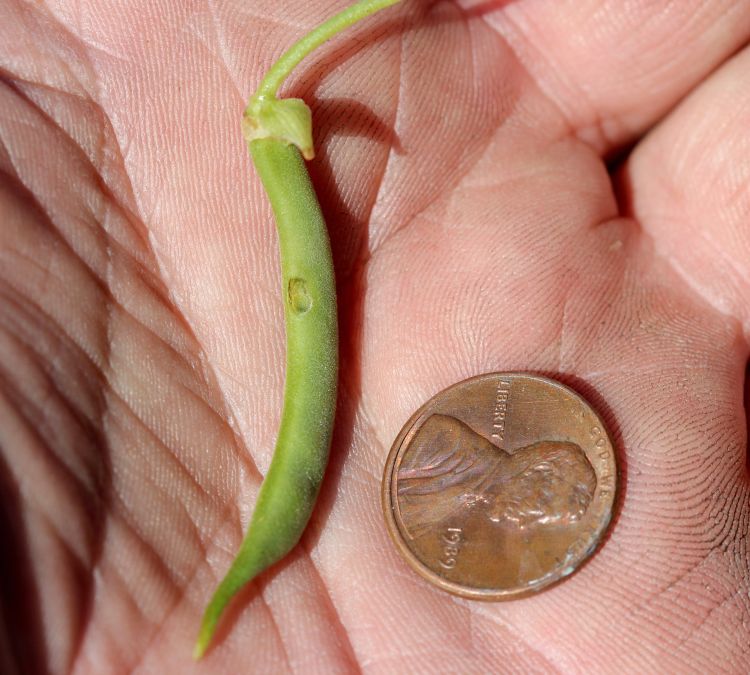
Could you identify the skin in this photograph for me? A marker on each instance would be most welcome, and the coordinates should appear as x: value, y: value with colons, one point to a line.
x: 572, y: 201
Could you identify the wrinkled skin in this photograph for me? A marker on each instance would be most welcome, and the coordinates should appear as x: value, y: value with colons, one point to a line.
x: 558, y: 187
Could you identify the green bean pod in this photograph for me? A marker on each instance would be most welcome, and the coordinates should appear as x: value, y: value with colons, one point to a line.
x: 291, y: 486
x: 279, y: 134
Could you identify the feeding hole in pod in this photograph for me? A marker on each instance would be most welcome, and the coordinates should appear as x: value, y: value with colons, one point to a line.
x: 300, y: 299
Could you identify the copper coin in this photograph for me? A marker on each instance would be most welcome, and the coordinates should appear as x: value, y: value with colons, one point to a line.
x: 500, y: 486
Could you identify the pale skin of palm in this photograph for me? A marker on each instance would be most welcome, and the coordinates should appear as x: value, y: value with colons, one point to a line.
x: 478, y: 222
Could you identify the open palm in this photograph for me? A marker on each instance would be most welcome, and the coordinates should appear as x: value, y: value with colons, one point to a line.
x: 463, y: 155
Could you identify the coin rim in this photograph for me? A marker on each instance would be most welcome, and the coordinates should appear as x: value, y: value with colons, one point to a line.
x: 491, y: 595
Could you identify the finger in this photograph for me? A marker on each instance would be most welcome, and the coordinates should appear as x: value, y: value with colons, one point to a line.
x: 690, y: 189
x: 612, y: 67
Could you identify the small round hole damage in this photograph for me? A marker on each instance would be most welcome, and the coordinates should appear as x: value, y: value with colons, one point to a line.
x: 299, y: 297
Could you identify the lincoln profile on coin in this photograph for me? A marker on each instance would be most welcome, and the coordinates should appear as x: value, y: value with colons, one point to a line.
x: 451, y: 472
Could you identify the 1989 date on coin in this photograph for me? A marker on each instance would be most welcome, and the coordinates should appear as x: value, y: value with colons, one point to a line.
x: 500, y: 485
x: 451, y: 543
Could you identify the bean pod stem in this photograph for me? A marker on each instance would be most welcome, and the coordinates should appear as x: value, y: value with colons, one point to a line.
x: 279, y: 134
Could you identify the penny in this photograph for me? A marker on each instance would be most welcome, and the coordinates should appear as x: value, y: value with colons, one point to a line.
x: 500, y: 486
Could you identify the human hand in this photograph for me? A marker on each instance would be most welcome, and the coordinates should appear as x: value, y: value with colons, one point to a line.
x: 462, y: 166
